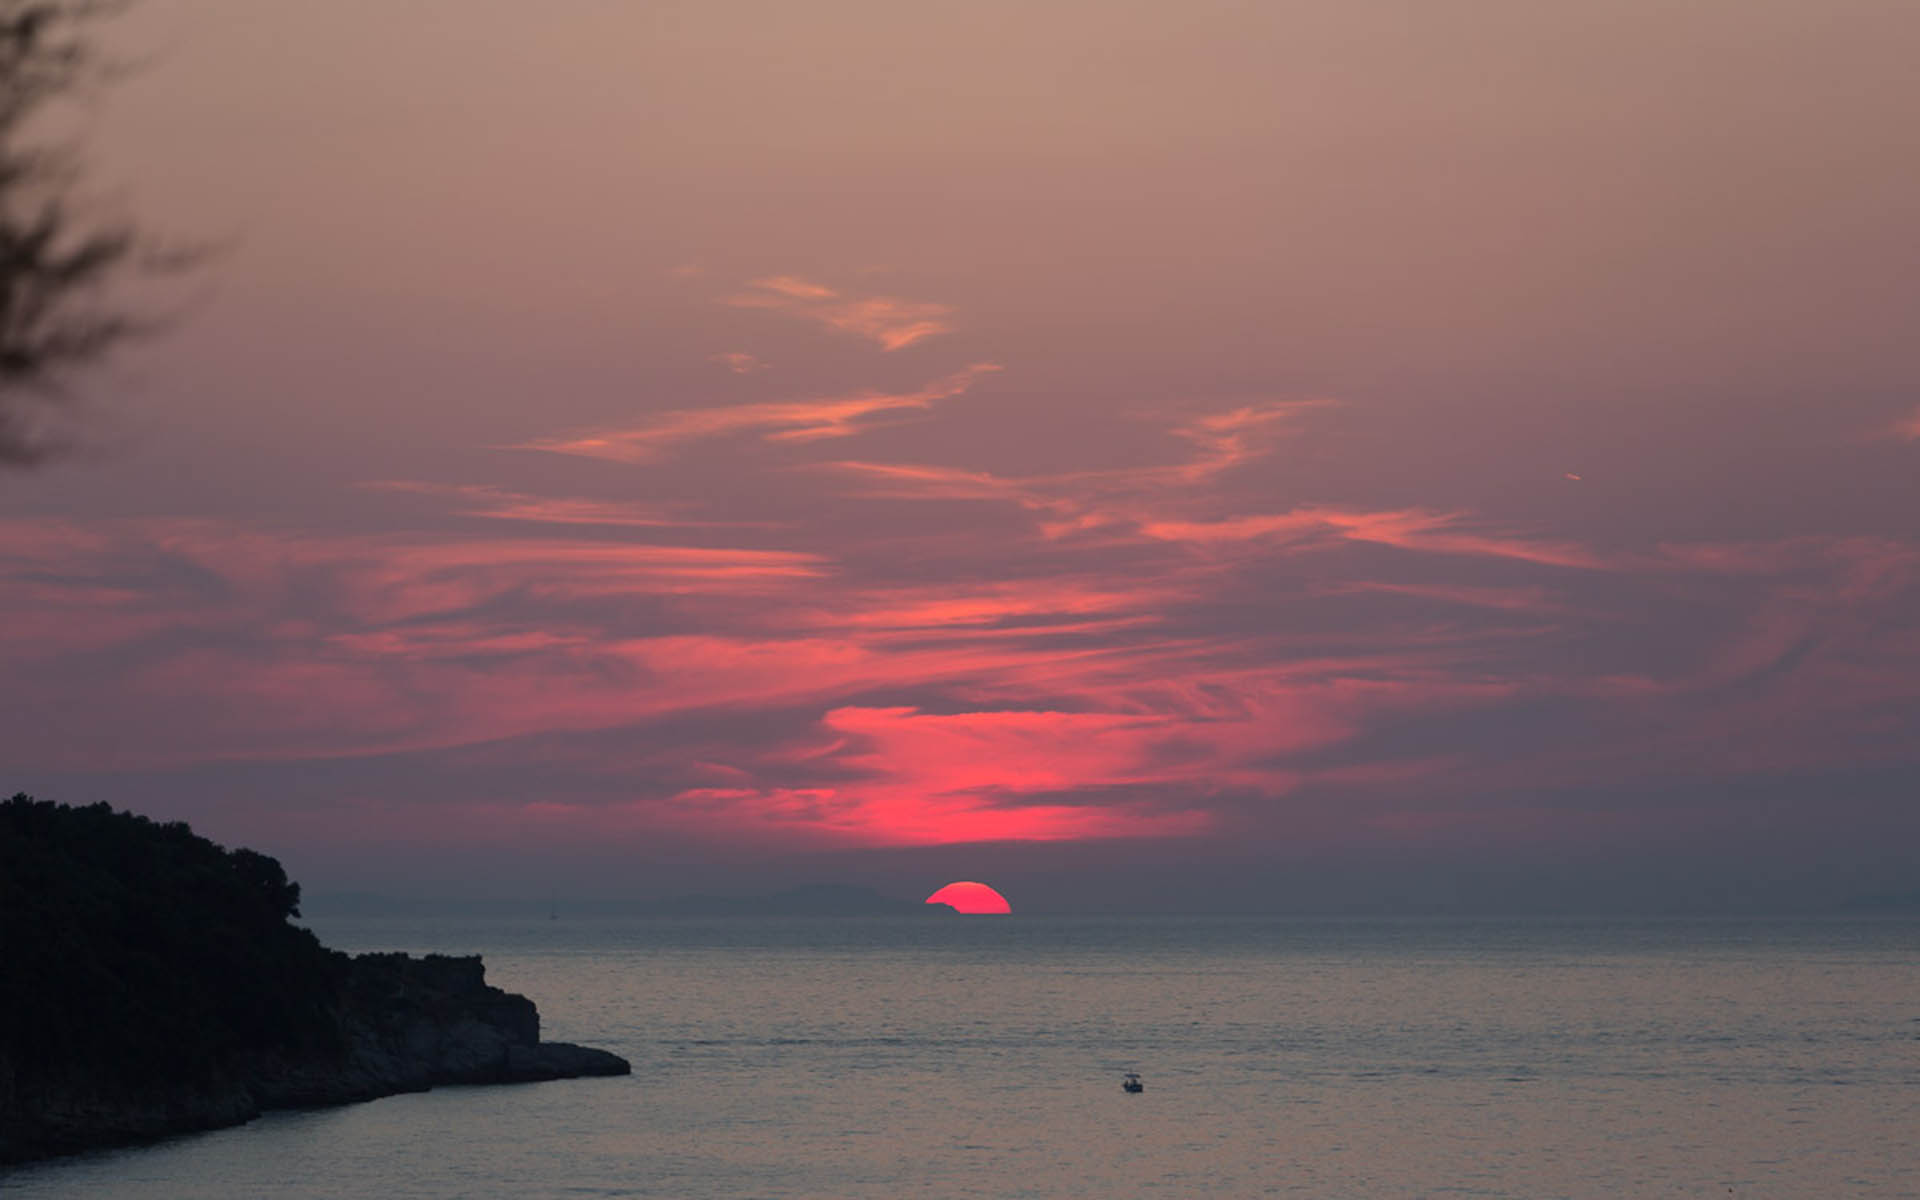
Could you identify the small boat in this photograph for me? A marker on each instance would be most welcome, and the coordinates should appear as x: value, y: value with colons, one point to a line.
x: 1131, y: 1082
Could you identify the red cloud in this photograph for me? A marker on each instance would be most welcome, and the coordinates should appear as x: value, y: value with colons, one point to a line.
x: 1169, y: 646
x: 1071, y: 703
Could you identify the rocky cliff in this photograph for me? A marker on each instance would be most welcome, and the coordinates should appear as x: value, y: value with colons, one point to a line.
x: 406, y: 1024
x: 151, y: 983
x: 411, y: 1023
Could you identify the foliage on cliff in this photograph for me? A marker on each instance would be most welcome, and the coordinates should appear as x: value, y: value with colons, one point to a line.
x: 132, y: 950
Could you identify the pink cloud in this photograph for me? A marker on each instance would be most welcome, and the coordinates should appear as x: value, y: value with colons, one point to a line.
x: 983, y: 776
x: 1072, y: 704
x: 1163, y: 647
x: 1281, y: 526
x: 1511, y: 599
x: 792, y: 288
x: 1226, y: 440
x: 1440, y: 533
x: 499, y: 504
x: 1405, y: 529
x: 1143, y: 499
x: 1116, y: 502
x: 889, y: 322
x: 780, y: 421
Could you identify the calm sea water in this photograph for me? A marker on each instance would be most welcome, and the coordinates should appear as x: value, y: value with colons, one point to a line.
x: 981, y: 1057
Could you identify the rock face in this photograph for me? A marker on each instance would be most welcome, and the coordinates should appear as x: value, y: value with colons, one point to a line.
x: 412, y: 1023
x: 406, y: 1024
x: 152, y: 982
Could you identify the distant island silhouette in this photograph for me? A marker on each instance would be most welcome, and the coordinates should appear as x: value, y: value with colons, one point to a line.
x: 804, y: 900
x: 153, y: 983
x: 807, y: 900
x: 1884, y: 902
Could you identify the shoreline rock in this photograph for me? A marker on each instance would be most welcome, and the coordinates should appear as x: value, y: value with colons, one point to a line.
x: 152, y: 983
x: 406, y: 1025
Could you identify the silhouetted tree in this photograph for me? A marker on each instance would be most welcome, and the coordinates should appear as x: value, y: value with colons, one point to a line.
x: 134, y: 950
x: 54, y: 262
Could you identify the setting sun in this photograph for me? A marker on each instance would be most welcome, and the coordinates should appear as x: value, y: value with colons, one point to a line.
x: 971, y: 898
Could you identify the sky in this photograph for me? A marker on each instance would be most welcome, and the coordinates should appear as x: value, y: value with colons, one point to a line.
x: 1325, y: 455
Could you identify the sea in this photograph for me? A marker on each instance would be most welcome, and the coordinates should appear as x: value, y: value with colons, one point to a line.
x: 983, y: 1057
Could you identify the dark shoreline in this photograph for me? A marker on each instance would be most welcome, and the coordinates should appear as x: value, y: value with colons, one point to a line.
x: 409, y: 1024
x: 152, y: 983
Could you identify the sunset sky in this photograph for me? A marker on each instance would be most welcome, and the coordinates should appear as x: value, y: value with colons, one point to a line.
x: 1312, y: 455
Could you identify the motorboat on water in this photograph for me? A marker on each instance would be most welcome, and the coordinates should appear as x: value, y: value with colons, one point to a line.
x: 1130, y: 1082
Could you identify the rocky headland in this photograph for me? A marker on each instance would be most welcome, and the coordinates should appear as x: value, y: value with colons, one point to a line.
x: 152, y: 983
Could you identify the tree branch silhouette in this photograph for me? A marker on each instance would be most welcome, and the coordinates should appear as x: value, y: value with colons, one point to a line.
x: 55, y: 263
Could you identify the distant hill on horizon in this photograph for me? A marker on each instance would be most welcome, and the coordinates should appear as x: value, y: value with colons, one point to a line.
x: 805, y: 900
x: 1884, y: 902
x: 855, y: 900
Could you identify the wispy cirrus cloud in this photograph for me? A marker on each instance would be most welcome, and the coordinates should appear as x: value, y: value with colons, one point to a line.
x: 1226, y: 440
x: 739, y: 362
x: 1179, y: 501
x: 501, y: 504
x: 1128, y: 498
x: 1406, y: 529
x: 1532, y: 598
x: 887, y: 321
x: 776, y: 421
x: 1170, y: 502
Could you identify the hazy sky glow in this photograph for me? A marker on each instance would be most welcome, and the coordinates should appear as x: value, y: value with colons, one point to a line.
x: 669, y: 445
